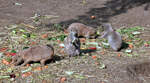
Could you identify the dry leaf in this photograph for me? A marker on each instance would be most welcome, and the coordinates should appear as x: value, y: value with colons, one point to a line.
x: 96, y: 63
x: 102, y: 53
x: 7, y: 54
x: 5, y: 62
x: 93, y: 17
x: 130, y: 46
x: 38, y: 69
x: 146, y: 44
x: 46, y: 67
x: 27, y: 65
x: 63, y: 79
x: 44, y: 36
x: 3, y: 49
x: 58, y: 41
x: 94, y: 57
x: 119, y: 55
x: 129, y: 40
x: 65, y: 31
x: 26, y: 74
x: 33, y: 43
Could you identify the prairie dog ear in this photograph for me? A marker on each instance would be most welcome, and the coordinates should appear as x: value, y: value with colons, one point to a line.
x: 73, y: 30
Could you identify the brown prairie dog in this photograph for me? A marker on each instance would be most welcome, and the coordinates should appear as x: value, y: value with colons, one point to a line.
x: 40, y: 53
x: 82, y: 30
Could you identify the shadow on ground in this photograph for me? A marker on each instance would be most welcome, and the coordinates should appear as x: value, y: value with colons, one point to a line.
x: 88, y: 51
x: 124, y: 45
x: 111, y: 8
x: 55, y: 58
x: 139, y: 71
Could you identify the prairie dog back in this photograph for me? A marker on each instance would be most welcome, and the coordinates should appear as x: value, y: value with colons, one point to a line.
x: 40, y: 53
x: 82, y: 30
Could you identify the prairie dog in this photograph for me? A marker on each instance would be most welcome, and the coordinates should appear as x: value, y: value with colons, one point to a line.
x: 72, y: 44
x: 40, y: 53
x: 82, y: 30
x: 113, y: 37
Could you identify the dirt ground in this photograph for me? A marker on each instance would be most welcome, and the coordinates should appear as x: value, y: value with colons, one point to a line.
x: 120, y: 13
